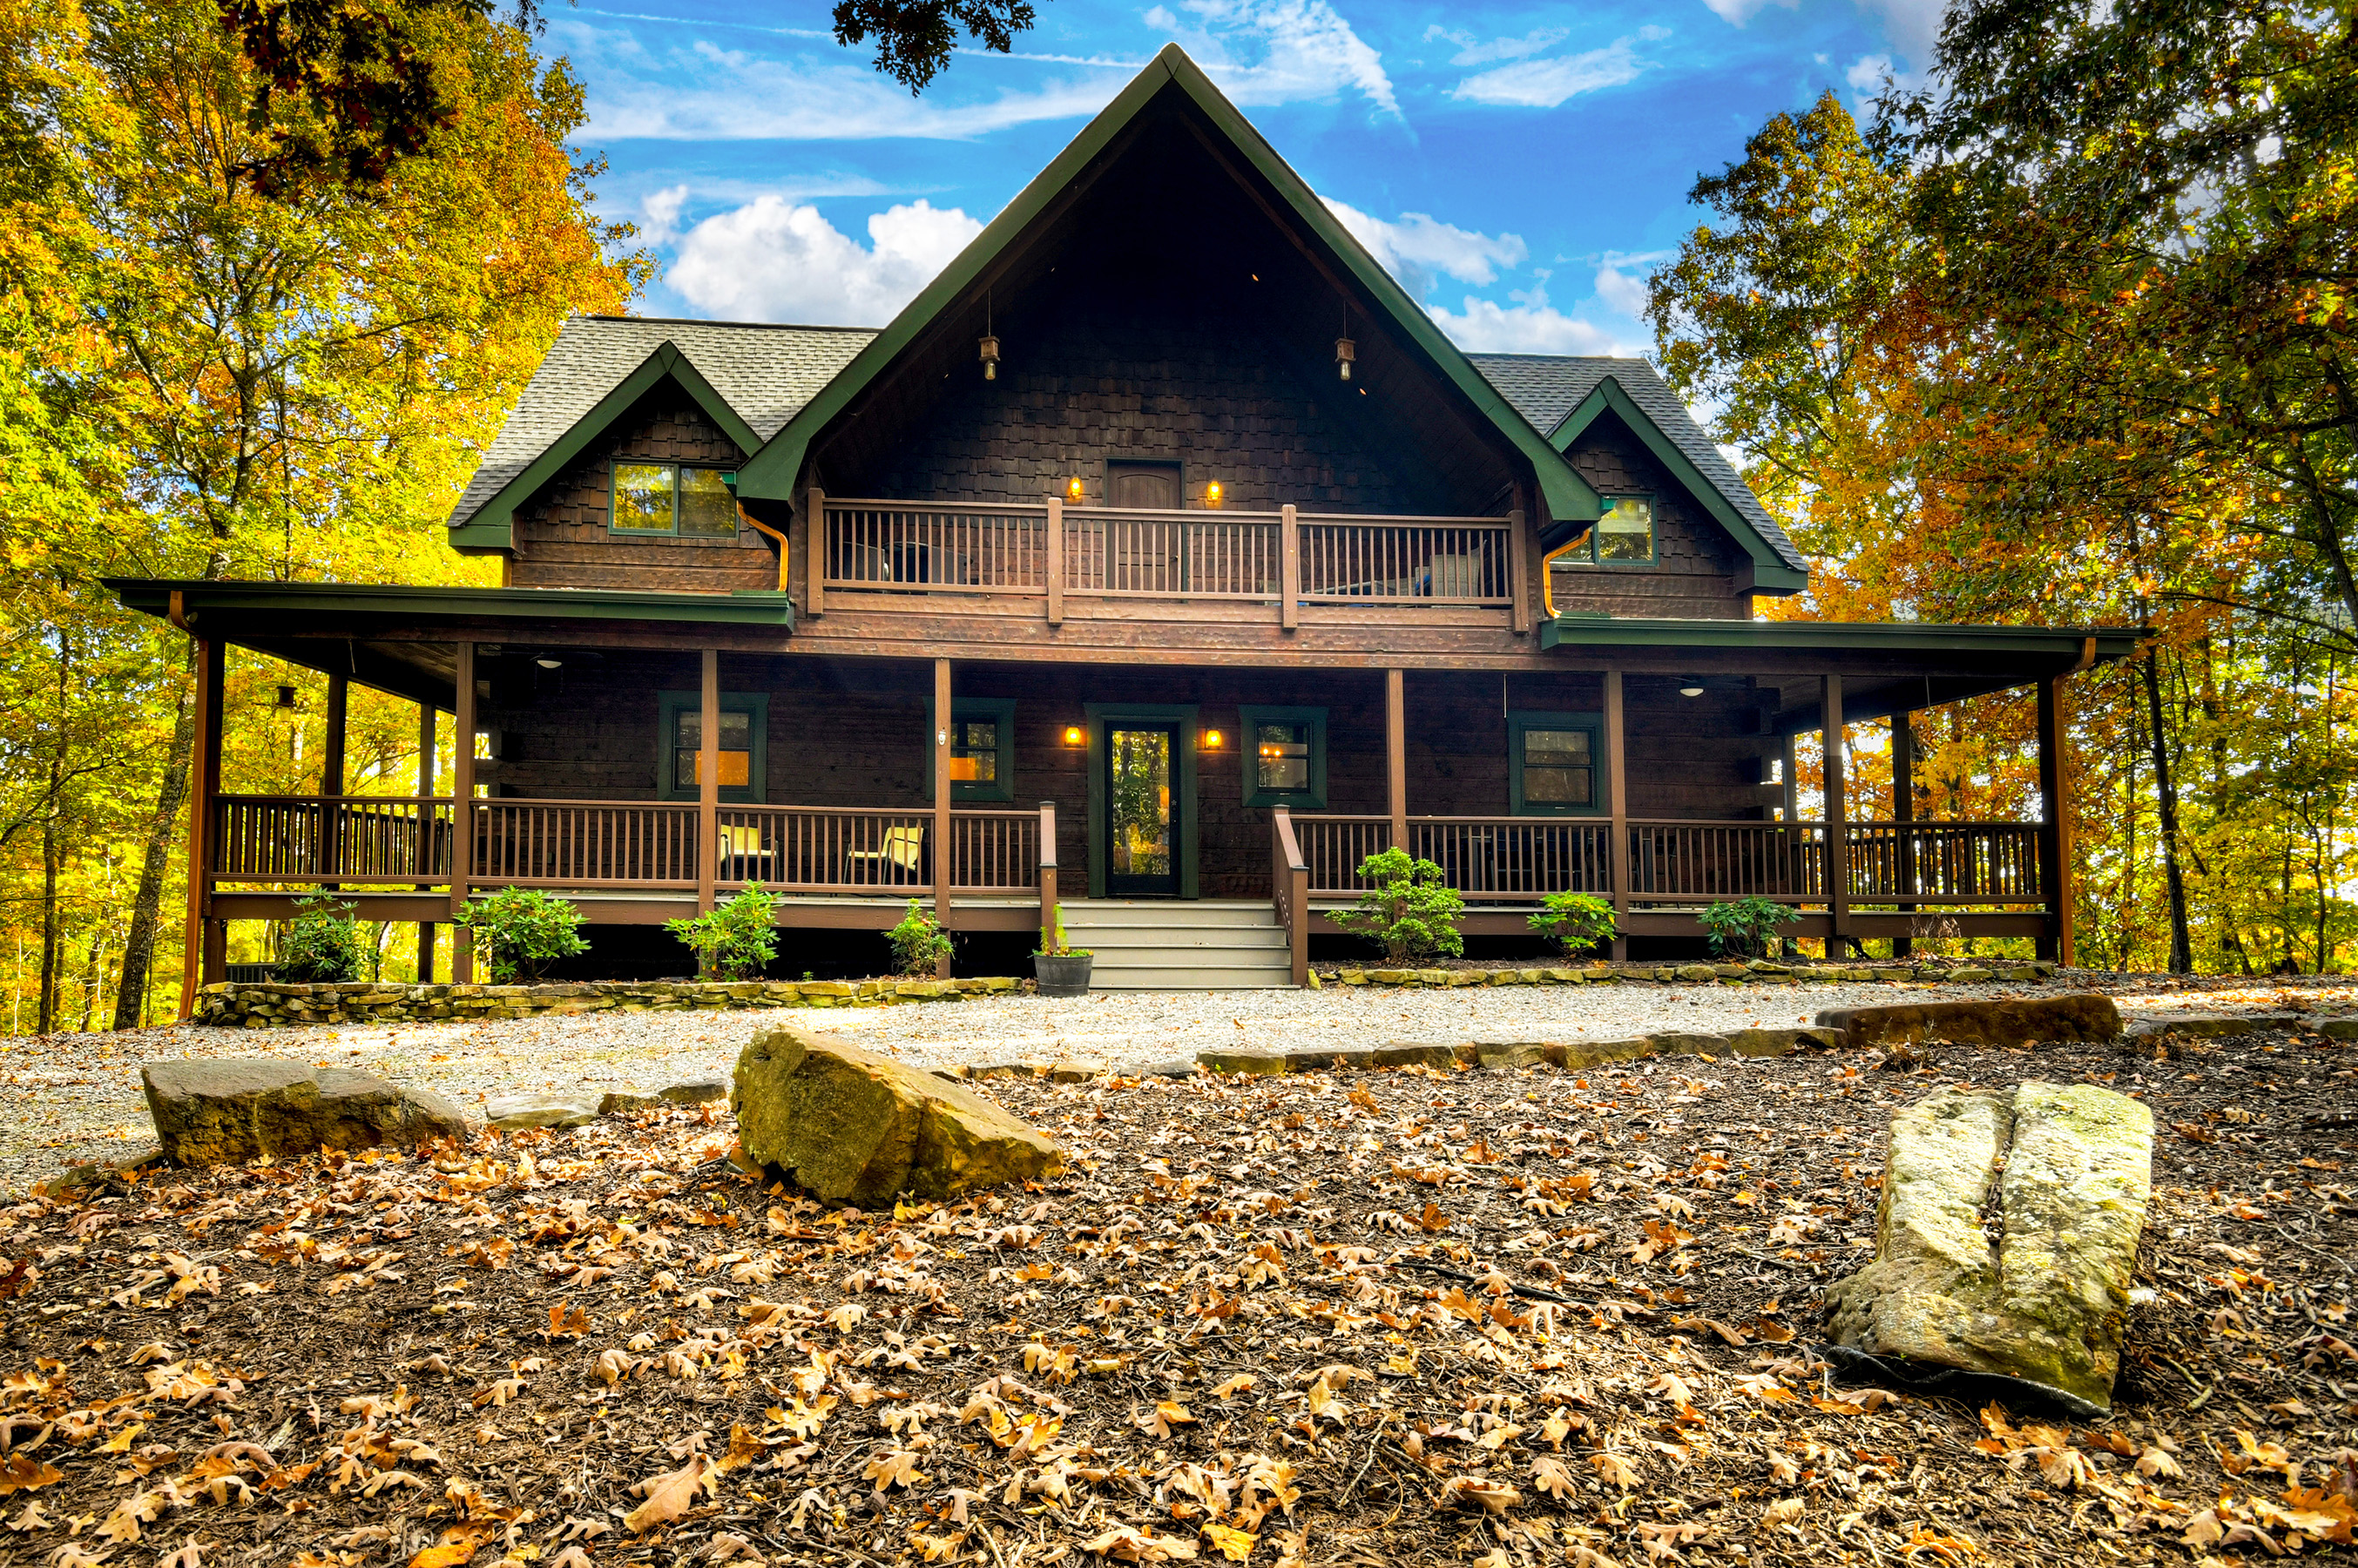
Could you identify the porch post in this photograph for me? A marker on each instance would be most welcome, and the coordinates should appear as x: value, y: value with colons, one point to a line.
x: 815, y: 552
x: 463, y: 809
x: 331, y: 776
x: 1830, y: 706
x: 1792, y: 785
x: 943, y: 870
x: 1056, y: 562
x: 1616, y: 801
x: 424, y: 865
x: 707, y: 784
x: 1396, y: 753
x: 2054, y: 864
x: 1903, y: 813
x: 1517, y: 569
x: 1047, y: 875
x: 197, y: 937
x: 1288, y: 569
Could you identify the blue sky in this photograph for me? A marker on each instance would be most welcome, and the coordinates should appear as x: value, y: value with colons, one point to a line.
x: 1519, y: 168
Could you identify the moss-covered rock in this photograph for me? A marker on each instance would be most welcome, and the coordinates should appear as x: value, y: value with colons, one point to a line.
x: 231, y: 1109
x: 862, y: 1128
x: 2070, y: 1170
x: 2001, y: 1020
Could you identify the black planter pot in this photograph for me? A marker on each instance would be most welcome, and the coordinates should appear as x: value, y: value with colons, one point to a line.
x: 1064, y: 974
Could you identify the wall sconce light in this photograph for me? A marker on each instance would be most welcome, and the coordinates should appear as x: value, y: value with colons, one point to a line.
x: 1212, y: 493
x: 545, y: 661
x: 1689, y: 686
x: 1345, y: 351
x: 287, y: 697
x: 1076, y: 737
x: 1074, y: 491
x: 1211, y: 740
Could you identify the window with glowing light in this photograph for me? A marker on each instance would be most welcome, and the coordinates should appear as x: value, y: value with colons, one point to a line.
x: 1285, y: 763
x: 983, y: 748
x: 744, y: 745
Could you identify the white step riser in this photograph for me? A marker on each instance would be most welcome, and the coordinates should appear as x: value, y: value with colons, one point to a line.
x: 1151, y: 946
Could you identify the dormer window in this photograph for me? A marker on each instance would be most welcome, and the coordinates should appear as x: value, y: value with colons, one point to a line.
x: 1622, y: 536
x: 673, y: 500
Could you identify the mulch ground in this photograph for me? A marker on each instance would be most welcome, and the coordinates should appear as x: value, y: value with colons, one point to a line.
x: 1380, y: 1318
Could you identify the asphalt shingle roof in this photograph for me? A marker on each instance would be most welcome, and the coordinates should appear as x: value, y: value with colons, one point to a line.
x: 765, y: 373
x: 1546, y: 388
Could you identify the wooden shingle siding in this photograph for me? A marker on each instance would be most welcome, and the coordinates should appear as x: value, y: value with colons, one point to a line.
x: 563, y: 540
x: 851, y: 733
x: 1134, y: 381
x: 1695, y: 562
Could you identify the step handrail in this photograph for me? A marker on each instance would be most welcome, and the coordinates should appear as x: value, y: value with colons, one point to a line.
x: 1289, y: 891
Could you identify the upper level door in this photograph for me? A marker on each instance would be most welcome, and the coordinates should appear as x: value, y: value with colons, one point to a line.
x: 1145, y: 486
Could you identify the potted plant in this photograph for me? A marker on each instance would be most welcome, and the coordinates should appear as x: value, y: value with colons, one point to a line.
x: 1059, y: 968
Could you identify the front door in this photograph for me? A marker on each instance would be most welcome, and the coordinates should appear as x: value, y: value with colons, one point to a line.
x: 1141, y: 830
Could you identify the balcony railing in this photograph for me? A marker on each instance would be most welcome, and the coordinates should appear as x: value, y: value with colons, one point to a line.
x: 1522, y: 859
x: 1048, y: 551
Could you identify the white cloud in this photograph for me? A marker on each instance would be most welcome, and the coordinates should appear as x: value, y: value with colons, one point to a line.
x: 1530, y: 326
x: 771, y: 260
x: 1738, y: 12
x: 659, y: 213
x: 1545, y: 83
x: 1619, y: 289
x: 1308, y: 52
x: 1474, y: 51
x: 1420, y: 250
x: 1912, y: 26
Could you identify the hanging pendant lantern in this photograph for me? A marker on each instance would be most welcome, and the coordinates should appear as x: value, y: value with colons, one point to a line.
x: 1345, y: 353
x: 990, y: 347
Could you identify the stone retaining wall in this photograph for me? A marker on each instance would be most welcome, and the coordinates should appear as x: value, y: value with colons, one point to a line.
x: 360, y: 1002
x: 1756, y: 972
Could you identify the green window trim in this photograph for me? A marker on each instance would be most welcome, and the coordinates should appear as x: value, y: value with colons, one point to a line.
x: 999, y: 711
x: 709, y: 490
x: 1519, y: 723
x: 754, y: 704
x: 1582, y: 552
x: 1313, y: 796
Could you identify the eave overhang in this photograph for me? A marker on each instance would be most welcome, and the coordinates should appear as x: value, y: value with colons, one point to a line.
x: 429, y: 606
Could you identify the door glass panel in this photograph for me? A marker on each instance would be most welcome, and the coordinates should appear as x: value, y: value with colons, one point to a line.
x: 1558, y: 768
x: 1141, y: 818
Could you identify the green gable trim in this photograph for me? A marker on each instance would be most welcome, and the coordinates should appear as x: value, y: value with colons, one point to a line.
x: 1769, y: 572
x: 772, y: 472
x: 492, y: 528
x: 416, y: 604
x: 2063, y: 643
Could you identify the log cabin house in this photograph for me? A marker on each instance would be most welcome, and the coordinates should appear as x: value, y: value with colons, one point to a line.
x: 1164, y: 557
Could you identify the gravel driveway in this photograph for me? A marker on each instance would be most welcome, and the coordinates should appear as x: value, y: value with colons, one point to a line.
x: 77, y: 1097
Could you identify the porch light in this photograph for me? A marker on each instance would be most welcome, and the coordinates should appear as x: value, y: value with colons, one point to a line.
x: 1075, y: 736
x: 1073, y: 489
x: 1691, y: 685
x: 545, y: 661
x: 1212, y: 741
x: 1345, y: 353
x: 1212, y: 493
x: 989, y: 346
x: 287, y: 697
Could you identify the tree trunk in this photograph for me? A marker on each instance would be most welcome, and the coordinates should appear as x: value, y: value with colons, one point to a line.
x: 46, y: 1016
x: 147, y: 904
x: 92, y: 967
x: 2165, y: 790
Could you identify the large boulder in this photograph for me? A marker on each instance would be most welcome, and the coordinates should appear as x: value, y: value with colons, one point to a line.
x: 860, y: 1128
x: 2001, y: 1020
x: 2069, y: 1170
x: 233, y: 1109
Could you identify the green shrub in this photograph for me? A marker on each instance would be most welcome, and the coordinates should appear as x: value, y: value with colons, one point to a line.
x: 1579, y: 921
x: 735, y: 940
x: 919, y: 942
x: 522, y: 929
x: 323, y: 944
x: 1052, y: 944
x: 1744, y: 927
x: 1412, y: 913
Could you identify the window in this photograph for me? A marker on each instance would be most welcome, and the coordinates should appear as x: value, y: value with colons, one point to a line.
x: 674, y: 500
x: 1623, y: 536
x: 744, y: 745
x: 1285, y: 763
x: 1555, y: 764
x: 983, y: 748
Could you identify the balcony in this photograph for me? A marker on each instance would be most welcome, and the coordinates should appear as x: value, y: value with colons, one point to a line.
x: 1285, y: 559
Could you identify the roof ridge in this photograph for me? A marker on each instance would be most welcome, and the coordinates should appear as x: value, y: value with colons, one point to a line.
x: 705, y: 321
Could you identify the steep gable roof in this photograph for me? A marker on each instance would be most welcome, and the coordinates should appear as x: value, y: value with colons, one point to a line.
x: 1560, y: 393
x: 760, y: 375
x: 1333, y: 251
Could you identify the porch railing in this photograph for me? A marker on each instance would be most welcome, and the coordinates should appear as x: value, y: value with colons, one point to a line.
x: 312, y: 838
x: 1521, y: 860
x: 1051, y: 550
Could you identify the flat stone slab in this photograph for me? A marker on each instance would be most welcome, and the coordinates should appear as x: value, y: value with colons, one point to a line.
x: 517, y: 1113
x: 2222, y: 1025
x: 2070, y: 1170
x: 696, y: 1091
x: 2339, y: 1029
x: 1247, y: 1064
x: 229, y: 1110
x: 2005, y: 1020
